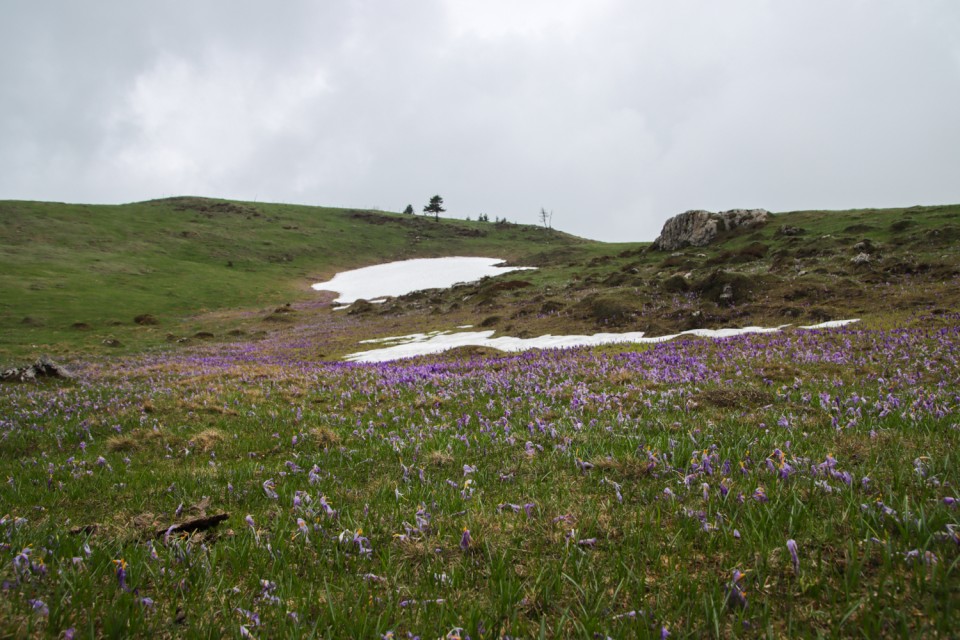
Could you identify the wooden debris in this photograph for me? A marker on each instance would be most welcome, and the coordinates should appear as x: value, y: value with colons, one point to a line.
x: 192, y: 526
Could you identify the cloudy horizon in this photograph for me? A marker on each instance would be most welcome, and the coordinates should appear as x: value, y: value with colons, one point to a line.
x: 613, y: 114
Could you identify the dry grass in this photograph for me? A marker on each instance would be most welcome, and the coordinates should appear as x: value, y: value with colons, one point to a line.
x: 134, y: 440
x: 439, y: 458
x: 208, y: 439
x: 325, y: 437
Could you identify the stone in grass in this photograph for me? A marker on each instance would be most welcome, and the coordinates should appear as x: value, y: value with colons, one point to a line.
x: 112, y: 342
x: 42, y: 368
x: 699, y: 228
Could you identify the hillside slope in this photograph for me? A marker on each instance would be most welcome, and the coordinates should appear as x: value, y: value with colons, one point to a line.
x: 72, y: 276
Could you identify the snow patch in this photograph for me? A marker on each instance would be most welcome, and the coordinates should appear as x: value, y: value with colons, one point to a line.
x: 420, y: 344
x: 407, y: 276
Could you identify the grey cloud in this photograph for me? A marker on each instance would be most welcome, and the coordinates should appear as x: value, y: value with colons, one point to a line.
x: 614, y: 114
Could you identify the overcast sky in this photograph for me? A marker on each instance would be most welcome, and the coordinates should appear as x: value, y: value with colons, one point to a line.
x: 614, y: 114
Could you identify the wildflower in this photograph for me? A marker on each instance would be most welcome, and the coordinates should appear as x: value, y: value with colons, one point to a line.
x: 268, y: 488
x: 327, y: 509
x: 468, y: 469
x: 760, y: 495
x: 792, y: 548
x: 267, y: 587
x: 465, y: 539
x: 302, y: 526
x: 736, y: 594
x: 40, y: 607
x: 628, y: 614
x: 528, y: 509
x: 121, y: 573
x: 252, y: 617
x: 587, y: 542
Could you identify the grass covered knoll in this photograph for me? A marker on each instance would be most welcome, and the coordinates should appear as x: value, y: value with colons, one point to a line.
x: 803, y: 267
x: 72, y: 276
x: 796, y: 485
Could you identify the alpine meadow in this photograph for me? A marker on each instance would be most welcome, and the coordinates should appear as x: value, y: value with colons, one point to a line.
x: 185, y: 451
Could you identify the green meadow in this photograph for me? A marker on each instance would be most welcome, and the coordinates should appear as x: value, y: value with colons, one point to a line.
x: 219, y: 471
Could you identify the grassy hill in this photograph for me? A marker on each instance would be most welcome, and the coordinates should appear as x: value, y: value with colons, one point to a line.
x: 73, y: 278
x: 74, y: 275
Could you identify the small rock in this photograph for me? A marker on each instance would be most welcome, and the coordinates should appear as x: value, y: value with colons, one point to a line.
x: 861, y: 258
x: 726, y: 296
x: 112, y: 342
x: 787, y: 230
x: 42, y: 368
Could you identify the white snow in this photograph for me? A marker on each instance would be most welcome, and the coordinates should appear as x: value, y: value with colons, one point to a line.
x: 419, y: 344
x: 406, y: 276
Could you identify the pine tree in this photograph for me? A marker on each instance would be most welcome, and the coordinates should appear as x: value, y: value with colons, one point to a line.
x: 435, y: 207
x: 409, y: 209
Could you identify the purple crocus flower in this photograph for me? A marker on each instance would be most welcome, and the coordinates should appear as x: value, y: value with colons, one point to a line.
x: 465, y: 539
x: 327, y: 509
x: 121, y: 573
x: 268, y: 488
x: 40, y: 607
x: 792, y: 548
x: 736, y: 594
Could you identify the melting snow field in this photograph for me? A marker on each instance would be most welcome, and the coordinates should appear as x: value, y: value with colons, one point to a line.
x: 419, y: 344
x: 407, y: 276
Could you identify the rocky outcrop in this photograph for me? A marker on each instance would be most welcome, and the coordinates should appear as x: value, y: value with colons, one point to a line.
x: 698, y: 228
x: 42, y: 368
